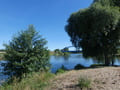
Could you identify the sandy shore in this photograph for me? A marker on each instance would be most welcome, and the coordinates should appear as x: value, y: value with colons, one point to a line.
x: 107, y: 78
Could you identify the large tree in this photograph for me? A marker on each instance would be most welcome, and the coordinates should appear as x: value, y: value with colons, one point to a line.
x: 26, y: 53
x: 96, y: 30
x: 108, y: 2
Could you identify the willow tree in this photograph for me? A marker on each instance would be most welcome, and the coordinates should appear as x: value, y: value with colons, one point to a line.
x: 96, y: 30
x: 26, y: 53
x: 115, y: 3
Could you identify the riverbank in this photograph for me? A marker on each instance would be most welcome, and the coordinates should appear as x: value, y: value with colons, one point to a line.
x: 107, y: 78
x: 34, y: 81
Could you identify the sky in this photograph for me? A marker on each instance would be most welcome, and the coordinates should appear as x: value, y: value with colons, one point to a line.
x: 49, y: 17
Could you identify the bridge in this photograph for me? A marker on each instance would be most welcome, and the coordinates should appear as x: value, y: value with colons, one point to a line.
x: 66, y: 49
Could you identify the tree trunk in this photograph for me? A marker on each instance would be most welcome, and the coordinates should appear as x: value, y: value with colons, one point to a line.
x: 107, y: 60
x: 112, y: 62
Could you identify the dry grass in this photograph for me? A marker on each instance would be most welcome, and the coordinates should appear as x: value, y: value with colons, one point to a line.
x: 107, y: 78
x: 36, y: 81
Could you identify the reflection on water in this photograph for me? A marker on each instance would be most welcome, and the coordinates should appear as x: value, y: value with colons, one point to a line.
x: 2, y: 76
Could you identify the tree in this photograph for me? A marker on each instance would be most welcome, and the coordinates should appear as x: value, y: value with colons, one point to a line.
x: 26, y: 53
x: 108, y: 2
x: 65, y: 49
x: 96, y: 30
x: 57, y: 52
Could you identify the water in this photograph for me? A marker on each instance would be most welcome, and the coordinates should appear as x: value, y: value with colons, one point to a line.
x: 71, y: 61
x: 2, y: 76
x: 68, y: 62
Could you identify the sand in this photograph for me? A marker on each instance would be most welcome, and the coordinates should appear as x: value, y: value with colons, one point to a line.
x: 107, y: 78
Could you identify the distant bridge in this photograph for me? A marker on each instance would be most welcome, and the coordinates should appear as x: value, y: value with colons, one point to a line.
x: 66, y: 49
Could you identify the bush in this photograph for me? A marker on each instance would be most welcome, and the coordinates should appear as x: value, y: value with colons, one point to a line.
x: 58, y: 52
x: 26, y: 53
x: 34, y: 81
x: 79, y: 66
x: 61, y: 70
x: 84, y: 82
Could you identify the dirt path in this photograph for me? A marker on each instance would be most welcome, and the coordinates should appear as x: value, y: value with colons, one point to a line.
x: 107, y: 78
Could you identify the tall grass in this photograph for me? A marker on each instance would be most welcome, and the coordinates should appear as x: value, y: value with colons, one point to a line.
x: 35, y: 81
x: 84, y: 82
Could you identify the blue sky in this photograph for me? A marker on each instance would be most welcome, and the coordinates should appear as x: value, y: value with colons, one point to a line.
x: 48, y: 16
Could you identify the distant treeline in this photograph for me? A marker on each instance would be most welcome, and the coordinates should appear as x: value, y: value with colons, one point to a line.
x: 2, y: 50
x: 58, y: 52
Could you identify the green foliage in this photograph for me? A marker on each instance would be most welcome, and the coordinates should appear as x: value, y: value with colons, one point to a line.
x: 115, y: 3
x: 96, y: 30
x: 1, y: 56
x: 79, y: 66
x: 2, y: 50
x: 65, y: 49
x: 58, y: 52
x: 61, y: 70
x: 26, y: 53
x: 84, y: 82
x: 66, y: 53
x: 34, y: 81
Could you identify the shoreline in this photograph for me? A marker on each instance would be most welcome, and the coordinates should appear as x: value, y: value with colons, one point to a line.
x: 107, y: 78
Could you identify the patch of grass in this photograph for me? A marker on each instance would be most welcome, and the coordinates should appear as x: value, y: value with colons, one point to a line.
x: 61, y: 70
x: 84, y: 82
x: 35, y: 81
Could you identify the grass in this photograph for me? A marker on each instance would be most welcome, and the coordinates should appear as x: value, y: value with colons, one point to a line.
x: 51, y: 53
x: 35, y: 81
x: 61, y: 70
x: 84, y: 82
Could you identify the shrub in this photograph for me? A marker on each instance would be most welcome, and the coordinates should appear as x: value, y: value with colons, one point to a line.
x: 61, y: 70
x: 84, y: 82
x: 33, y: 81
x: 26, y: 53
x: 79, y: 66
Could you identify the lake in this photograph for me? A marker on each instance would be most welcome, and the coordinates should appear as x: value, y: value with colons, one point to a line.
x: 69, y: 62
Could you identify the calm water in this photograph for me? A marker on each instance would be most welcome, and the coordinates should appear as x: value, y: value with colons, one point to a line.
x: 68, y: 62
x: 71, y: 61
